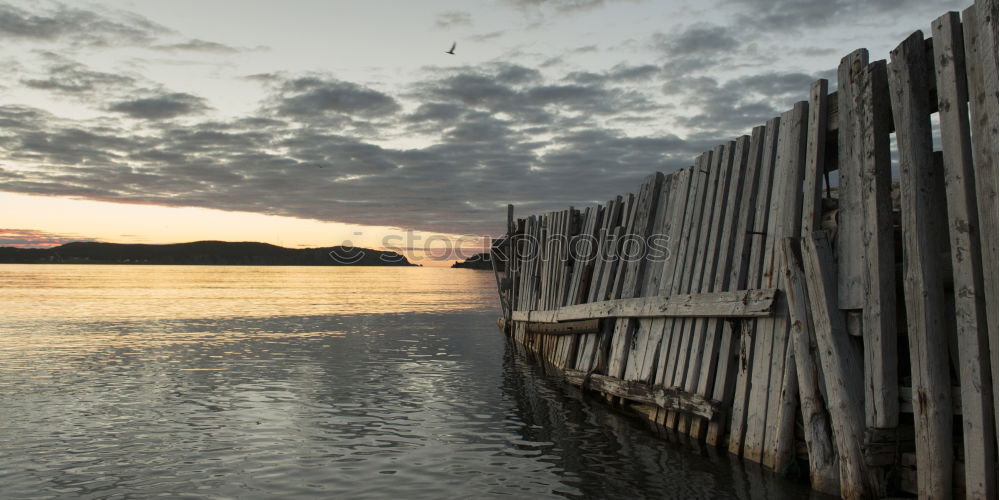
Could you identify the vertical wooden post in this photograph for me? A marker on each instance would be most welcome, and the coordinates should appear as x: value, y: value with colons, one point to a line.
x: 970, y: 307
x: 635, y: 264
x: 980, y: 30
x: 865, y: 240
x: 786, y: 214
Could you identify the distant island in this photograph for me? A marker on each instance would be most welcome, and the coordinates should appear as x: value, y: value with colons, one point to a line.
x: 218, y: 253
x: 478, y: 261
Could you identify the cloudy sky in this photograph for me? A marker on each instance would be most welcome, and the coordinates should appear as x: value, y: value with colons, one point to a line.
x: 310, y: 122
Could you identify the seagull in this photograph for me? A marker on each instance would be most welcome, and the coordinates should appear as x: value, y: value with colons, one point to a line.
x: 452, y: 49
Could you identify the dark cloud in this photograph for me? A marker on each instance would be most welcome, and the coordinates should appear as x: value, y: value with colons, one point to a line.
x: 313, y: 96
x: 732, y: 107
x: 697, y: 47
x: 79, y: 26
x: 198, y: 45
x: 791, y: 16
x: 161, y: 107
x: 482, y: 37
x: 72, y: 78
x: 562, y: 6
x: 453, y: 18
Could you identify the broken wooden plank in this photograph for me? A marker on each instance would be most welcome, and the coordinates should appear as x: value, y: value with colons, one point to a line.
x: 815, y: 425
x: 637, y: 391
x: 841, y: 373
x: 567, y: 328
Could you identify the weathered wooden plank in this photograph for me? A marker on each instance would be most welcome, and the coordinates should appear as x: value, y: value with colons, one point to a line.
x: 769, y: 353
x: 850, y: 219
x: 704, y: 254
x: 730, y: 353
x: 906, y: 400
x: 927, y: 329
x: 694, y: 198
x: 635, y: 256
x: 841, y: 374
x: 786, y: 214
x: 691, y: 278
x: 566, y: 328
x: 879, y: 283
x: 752, y: 345
x: 637, y: 391
x: 717, y: 350
x: 816, y: 427
x: 628, y: 217
x: 643, y: 355
x: 587, y: 355
x: 738, y: 304
x: 812, y: 208
x: 970, y: 309
x: 980, y: 30
x: 662, y: 328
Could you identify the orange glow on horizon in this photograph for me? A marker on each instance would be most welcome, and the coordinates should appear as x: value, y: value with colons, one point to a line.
x: 72, y: 219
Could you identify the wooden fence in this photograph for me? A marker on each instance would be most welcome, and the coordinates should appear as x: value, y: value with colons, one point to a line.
x: 746, y: 302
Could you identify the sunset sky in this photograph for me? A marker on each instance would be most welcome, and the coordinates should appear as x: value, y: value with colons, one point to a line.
x: 312, y: 123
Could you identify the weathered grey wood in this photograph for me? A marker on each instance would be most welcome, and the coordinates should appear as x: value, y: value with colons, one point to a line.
x: 980, y: 30
x: 703, y: 269
x: 716, y: 347
x: 751, y: 345
x: 642, y: 393
x: 628, y: 221
x: 738, y: 304
x: 635, y: 264
x: 600, y: 288
x: 906, y: 400
x: 812, y: 208
x: 772, y: 334
x: 879, y: 283
x: 650, y: 368
x: 970, y: 308
x: 693, y: 199
x: 566, y: 328
x: 841, y: 373
x: 730, y: 353
x: 786, y: 220
x: 922, y: 282
x: 644, y: 356
x: 823, y: 473
x: 850, y: 218
x: 678, y: 330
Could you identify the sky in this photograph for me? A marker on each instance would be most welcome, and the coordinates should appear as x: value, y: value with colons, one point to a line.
x: 310, y: 123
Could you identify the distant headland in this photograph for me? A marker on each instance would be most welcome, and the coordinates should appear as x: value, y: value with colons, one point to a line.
x: 218, y: 253
x: 478, y: 261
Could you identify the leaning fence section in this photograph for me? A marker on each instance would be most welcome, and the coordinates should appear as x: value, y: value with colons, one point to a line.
x: 749, y: 303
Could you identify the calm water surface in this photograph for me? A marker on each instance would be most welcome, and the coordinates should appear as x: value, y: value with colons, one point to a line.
x: 305, y: 382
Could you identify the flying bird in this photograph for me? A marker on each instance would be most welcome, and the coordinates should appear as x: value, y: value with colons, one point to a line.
x: 452, y: 49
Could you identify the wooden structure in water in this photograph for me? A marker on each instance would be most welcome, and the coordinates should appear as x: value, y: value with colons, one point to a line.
x: 747, y: 303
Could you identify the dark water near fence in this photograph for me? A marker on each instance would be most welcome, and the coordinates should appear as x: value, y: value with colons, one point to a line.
x: 248, y: 382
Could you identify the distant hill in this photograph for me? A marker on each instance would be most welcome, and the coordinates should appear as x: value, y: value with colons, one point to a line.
x: 478, y: 261
x: 201, y: 253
